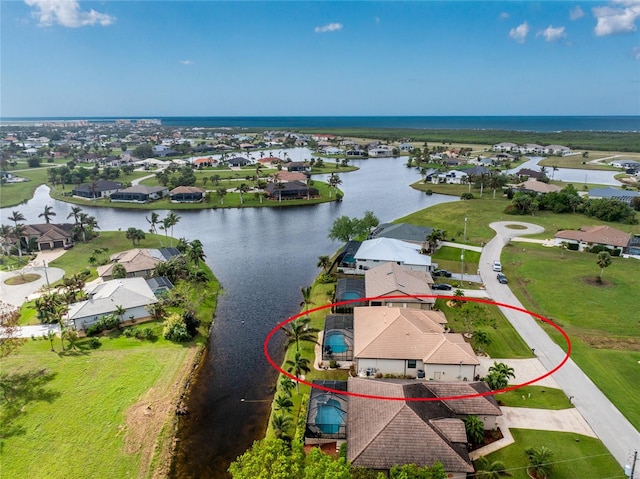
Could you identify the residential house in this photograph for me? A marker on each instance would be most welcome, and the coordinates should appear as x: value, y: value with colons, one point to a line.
x: 187, y: 194
x: 505, y: 147
x: 204, y: 162
x: 382, y: 434
x: 356, y: 153
x: 402, y: 231
x: 538, y: 187
x: 286, y: 176
x: 391, y: 279
x: 380, y: 151
x: 346, y: 256
x: 132, y: 294
x: 410, y: 342
x: 238, y: 161
x: 97, y: 189
x: 478, y: 170
x: 299, y: 166
x: 290, y: 190
x: 331, y: 150
x: 140, y: 194
x: 47, y: 236
x: 137, y: 262
x: 378, y: 251
x: 589, y: 236
x: 528, y: 173
x: 406, y: 147
x: 531, y: 149
x: 613, y: 194
x: 625, y: 164
x: 453, y: 177
x: 557, y: 150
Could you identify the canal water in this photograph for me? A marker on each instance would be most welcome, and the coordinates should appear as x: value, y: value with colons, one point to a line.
x: 262, y: 257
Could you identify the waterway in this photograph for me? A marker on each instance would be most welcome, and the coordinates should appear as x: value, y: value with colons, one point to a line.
x: 262, y: 257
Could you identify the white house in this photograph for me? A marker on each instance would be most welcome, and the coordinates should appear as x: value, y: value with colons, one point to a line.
x: 558, y: 150
x: 453, y: 177
x: 409, y: 342
x: 381, y: 151
x: 510, y: 147
x: 406, y: 147
x: 132, y: 294
x: 378, y: 251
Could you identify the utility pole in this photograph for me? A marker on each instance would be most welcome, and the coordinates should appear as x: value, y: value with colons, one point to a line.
x: 45, y: 274
x: 464, y: 240
x: 629, y: 469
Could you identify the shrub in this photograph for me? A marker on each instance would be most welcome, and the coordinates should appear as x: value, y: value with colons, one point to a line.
x: 333, y: 364
x: 175, y: 329
x: 325, y: 278
x: 94, y: 343
x: 191, y: 322
x: 428, y: 192
x: 467, y: 196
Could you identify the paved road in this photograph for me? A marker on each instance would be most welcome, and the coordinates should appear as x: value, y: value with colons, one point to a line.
x: 613, y: 429
x: 15, y: 295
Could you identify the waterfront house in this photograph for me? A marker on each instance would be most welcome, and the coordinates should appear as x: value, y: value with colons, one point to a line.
x: 537, y: 187
x: 97, y: 189
x: 505, y: 147
x: 381, y: 151
x: 299, y: 166
x: 132, y: 294
x: 187, y: 194
x: 613, y: 194
x: 140, y: 194
x: 402, y: 231
x: 411, y: 343
x: 391, y: 279
x: 137, y: 262
x: 382, y: 434
x: 378, y: 251
x: 290, y: 190
x: 47, y: 236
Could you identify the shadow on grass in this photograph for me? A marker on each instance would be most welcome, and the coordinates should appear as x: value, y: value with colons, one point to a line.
x: 17, y: 390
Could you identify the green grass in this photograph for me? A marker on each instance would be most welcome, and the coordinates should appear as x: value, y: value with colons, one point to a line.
x: 12, y: 194
x: 448, y: 258
x: 505, y: 341
x: 482, y: 211
x: 601, y: 320
x: 537, y: 397
x: 574, y: 455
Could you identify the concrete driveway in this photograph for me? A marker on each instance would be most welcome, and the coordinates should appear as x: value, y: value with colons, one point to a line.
x: 16, y: 295
x: 613, y: 429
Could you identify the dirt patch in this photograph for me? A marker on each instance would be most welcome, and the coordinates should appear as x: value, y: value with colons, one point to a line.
x: 489, y: 437
x: 596, y: 282
x: 22, y: 279
x: 604, y: 342
x: 157, y: 409
x: 515, y: 227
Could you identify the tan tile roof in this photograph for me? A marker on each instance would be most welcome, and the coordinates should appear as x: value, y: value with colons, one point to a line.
x: 602, y: 234
x: 133, y: 260
x: 285, y: 176
x: 480, y: 405
x: 187, y: 189
x: 452, y: 349
x: 538, y: 186
x: 451, y: 428
x: 381, y: 434
x: 392, y: 279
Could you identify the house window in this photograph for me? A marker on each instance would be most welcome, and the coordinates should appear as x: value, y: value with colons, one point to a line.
x: 411, y: 364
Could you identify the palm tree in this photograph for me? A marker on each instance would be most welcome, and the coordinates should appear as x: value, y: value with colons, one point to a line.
x: 243, y: 188
x: 281, y: 425
x: 75, y: 212
x: 221, y: 192
x: 298, y: 366
x: 540, y: 461
x: 299, y: 330
x: 603, y: 260
x: 324, y: 262
x: 173, y: 219
x: 279, y: 186
x: 306, y: 298
x: 489, y: 470
x: 433, y: 238
x: 5, y: 233
x: 334, y: 180
x: 135, y: 235
x: 155, y: 220
x: 120, y: 312
x: 481, y: 339
x: 196, y: 252
x: 47, y: 213
x: 475, y: 430
x: 283, y: 403
x: 287, y: 385
x: 18, y: 231
x: 16, y: 216
x: 499, y: 375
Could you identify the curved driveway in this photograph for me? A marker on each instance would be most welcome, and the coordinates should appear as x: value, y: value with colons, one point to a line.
x: 613, y: 429
x: 16, y: 294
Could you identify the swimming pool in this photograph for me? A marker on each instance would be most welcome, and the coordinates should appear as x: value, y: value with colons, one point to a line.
x: 335, y: 340
x: 351, y: 295
x: 330, y: 417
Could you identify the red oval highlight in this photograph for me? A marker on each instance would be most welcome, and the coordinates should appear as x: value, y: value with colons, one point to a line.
x: 391, y: 398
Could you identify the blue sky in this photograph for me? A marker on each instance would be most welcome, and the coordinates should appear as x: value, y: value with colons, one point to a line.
x: 222, y: 58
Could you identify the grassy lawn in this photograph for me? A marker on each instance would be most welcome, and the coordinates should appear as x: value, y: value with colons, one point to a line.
x: 576, y: 162
x: 73, y: 407
x: 482, y: 211
x: 537, y: 397
x: 602, y: 324
x: 505, y: 341
x: 12, y: 194
x: 448, y: 258
x: 574, y: 455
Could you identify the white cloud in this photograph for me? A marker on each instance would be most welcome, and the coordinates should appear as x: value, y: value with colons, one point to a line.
x: 618, y: 18
x: 186, y: 62
x: 576, y: 13
x: 551, y: 34
x: 504, y: 16
x: 519, y: 34
x: 66, y: 13
x: 331, y: 27
x: 635, y: 52
x: 377, y: 19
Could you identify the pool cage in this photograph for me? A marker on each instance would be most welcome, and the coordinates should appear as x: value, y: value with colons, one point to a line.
x: 337, y: 340
x: 327, y: 412
x: 349, y: 289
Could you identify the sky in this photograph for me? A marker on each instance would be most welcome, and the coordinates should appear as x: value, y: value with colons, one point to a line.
x: 62, y: 58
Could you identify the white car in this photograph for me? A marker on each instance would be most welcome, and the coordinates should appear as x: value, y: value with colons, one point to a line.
x: 497, y: 266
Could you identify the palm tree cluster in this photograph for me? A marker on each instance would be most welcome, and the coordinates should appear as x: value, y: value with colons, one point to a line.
x: 499, y: 375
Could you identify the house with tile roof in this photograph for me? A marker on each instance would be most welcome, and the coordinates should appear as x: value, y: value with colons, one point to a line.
x: 132, y: 294
x: 382, y: 434
x: 589, y: 236
x: 98, y: 189
x: 137, y: 262
x: 410, y: 342
x: 47, y: 235
x: 391, y: 279
x: 535, y: 186
x: 613, y: 194
x: 140, y: 194
x: 187, y: 194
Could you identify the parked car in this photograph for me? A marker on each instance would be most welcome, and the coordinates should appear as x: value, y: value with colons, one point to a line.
x: 442, y: 286
x: 442, y: 272
x: 68, y: 246
x: 497, y: 266
x: 502, y: 278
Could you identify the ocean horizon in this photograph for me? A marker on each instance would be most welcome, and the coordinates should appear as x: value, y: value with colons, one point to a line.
x: 630, y: 123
